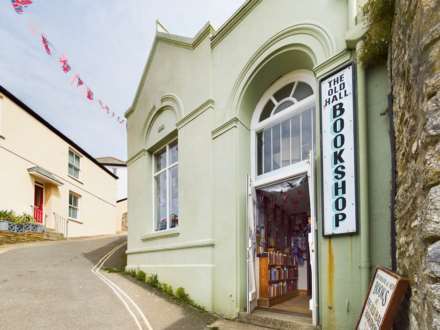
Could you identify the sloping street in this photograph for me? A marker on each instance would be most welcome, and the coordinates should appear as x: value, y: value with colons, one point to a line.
x: 52, y: 286
x: 59, y: 286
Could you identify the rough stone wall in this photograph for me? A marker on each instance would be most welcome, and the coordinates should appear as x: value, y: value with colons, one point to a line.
x: 415, y: 80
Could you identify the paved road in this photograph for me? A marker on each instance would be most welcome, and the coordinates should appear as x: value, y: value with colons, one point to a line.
x: 52, y: 287
x: 58, y: 285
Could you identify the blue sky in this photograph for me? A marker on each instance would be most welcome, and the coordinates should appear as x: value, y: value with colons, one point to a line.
x: 107, y: 42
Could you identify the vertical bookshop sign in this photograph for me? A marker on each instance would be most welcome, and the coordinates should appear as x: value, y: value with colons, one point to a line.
x: 338, y: 152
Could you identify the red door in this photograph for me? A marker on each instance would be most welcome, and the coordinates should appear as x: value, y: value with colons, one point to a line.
x: 38, y: 204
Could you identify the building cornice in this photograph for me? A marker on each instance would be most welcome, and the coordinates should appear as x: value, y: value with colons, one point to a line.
x: 176, y: 40
x: 141, y: 153
x: 179, y: 246
x: 233, y: 21
x: 226, y: 126
x: 208, y: 104
x: 332, y: 63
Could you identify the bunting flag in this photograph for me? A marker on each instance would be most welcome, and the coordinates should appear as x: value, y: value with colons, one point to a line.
x: 49, y: 48
x: 46, y: 44
x: 77, y: 80
x: 19, y: 5
x: 64, y: 65
x: 89, y: 94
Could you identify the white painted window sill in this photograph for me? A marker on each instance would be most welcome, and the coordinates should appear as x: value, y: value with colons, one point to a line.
x: 76, y: 179
x: 160, y: 234
x: 74, y: 220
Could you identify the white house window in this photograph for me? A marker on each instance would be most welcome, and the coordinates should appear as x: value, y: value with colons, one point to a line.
x: 284, y: 129
x: 73, y: 206
x: 74, y: 160
x: 166, y: 205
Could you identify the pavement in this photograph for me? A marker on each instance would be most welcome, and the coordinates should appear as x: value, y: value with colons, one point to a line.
x: 61, y: 285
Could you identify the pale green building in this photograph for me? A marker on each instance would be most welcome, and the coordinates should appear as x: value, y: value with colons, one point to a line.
x: 243, y: 189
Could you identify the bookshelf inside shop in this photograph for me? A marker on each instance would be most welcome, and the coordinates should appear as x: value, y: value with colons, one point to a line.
x: 281, y: 247
x: 278, y: 278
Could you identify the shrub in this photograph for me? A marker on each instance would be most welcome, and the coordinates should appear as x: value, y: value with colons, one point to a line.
x: 140, y: 275
x: 182, y: 295
x: 153, y: 280
x: 7, y: 215
x: 167, y: 289
x: 18, y: 219
x: 24, y: 218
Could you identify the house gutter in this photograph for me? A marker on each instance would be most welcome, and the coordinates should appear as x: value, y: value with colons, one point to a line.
x: 365, y: 262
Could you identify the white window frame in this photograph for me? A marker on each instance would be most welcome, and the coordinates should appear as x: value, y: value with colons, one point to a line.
x: 157, y: 173
x: 75, y: 154
x: 257, y: 126
x: 77, y: 196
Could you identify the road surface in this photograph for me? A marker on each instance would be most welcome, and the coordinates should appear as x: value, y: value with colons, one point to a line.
x: 58, y: 285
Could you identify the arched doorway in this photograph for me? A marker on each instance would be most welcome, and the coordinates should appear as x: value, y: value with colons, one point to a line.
x: 282, y: 219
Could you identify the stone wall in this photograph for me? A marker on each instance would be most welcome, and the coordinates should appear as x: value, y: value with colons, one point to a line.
x: 415, y: 80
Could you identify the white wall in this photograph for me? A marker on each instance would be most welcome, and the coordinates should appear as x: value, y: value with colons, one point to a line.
x: 121, y: 173
x: 28, y: 143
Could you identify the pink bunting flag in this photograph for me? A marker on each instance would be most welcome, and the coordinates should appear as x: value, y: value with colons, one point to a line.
x: 89, y: 94
x: 77, y: 80
x: 64, y: 65
x: 19, y: 5
x: 46, y: 44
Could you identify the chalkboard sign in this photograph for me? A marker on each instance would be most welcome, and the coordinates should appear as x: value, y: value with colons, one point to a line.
x: 386, y: 292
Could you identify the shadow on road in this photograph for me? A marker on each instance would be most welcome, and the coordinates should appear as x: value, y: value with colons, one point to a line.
x: 193, y: 318
x: 118, y: 259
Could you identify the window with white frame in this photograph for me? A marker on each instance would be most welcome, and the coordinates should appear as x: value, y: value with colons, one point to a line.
x: 73, y: 206
x: 284, y: 132
x: 74, y: 160
x: 166, y: 194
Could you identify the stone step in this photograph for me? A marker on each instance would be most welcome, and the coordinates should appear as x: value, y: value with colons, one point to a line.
x: 274, y: 320
x: 53, y: 236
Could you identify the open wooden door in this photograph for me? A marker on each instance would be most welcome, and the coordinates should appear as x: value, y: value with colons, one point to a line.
x: 312, y: 240
x: 251, y: 248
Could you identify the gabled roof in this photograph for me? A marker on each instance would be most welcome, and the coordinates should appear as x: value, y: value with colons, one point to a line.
x: 111, y: 161
x: 31, y: 112
x: 191, y: 43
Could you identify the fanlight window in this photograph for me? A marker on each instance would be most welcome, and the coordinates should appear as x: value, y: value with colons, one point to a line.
x: 283, y: 142
x: 285, y: 97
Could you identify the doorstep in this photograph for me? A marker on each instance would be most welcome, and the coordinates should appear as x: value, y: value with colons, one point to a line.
x: 274, y: 320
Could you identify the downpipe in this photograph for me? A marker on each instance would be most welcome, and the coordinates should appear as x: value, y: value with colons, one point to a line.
x: 365, y: 262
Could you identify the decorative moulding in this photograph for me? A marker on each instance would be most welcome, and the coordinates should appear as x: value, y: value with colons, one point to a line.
x: 285, y: 40
x: 179, y: 41
x: 223, y: 128
x: 232, y: 22
x: 160, y: 234
x: 179, y: 246
x: 137, y: 156
x: 208, y: 104
x: 332, y: 63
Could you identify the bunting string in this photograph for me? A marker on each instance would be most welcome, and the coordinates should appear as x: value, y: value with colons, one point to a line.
x: 19, y: 7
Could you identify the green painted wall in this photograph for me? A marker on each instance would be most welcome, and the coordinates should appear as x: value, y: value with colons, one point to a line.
x: 379, y: 162
x: 212, y: 90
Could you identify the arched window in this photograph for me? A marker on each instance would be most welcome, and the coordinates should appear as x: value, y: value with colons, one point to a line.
x: 284, y: 124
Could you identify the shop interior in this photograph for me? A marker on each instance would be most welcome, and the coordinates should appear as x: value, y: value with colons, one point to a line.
x: 283, y: 225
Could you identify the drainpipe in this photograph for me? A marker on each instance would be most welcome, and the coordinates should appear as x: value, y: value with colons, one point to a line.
x: 363, y: 173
